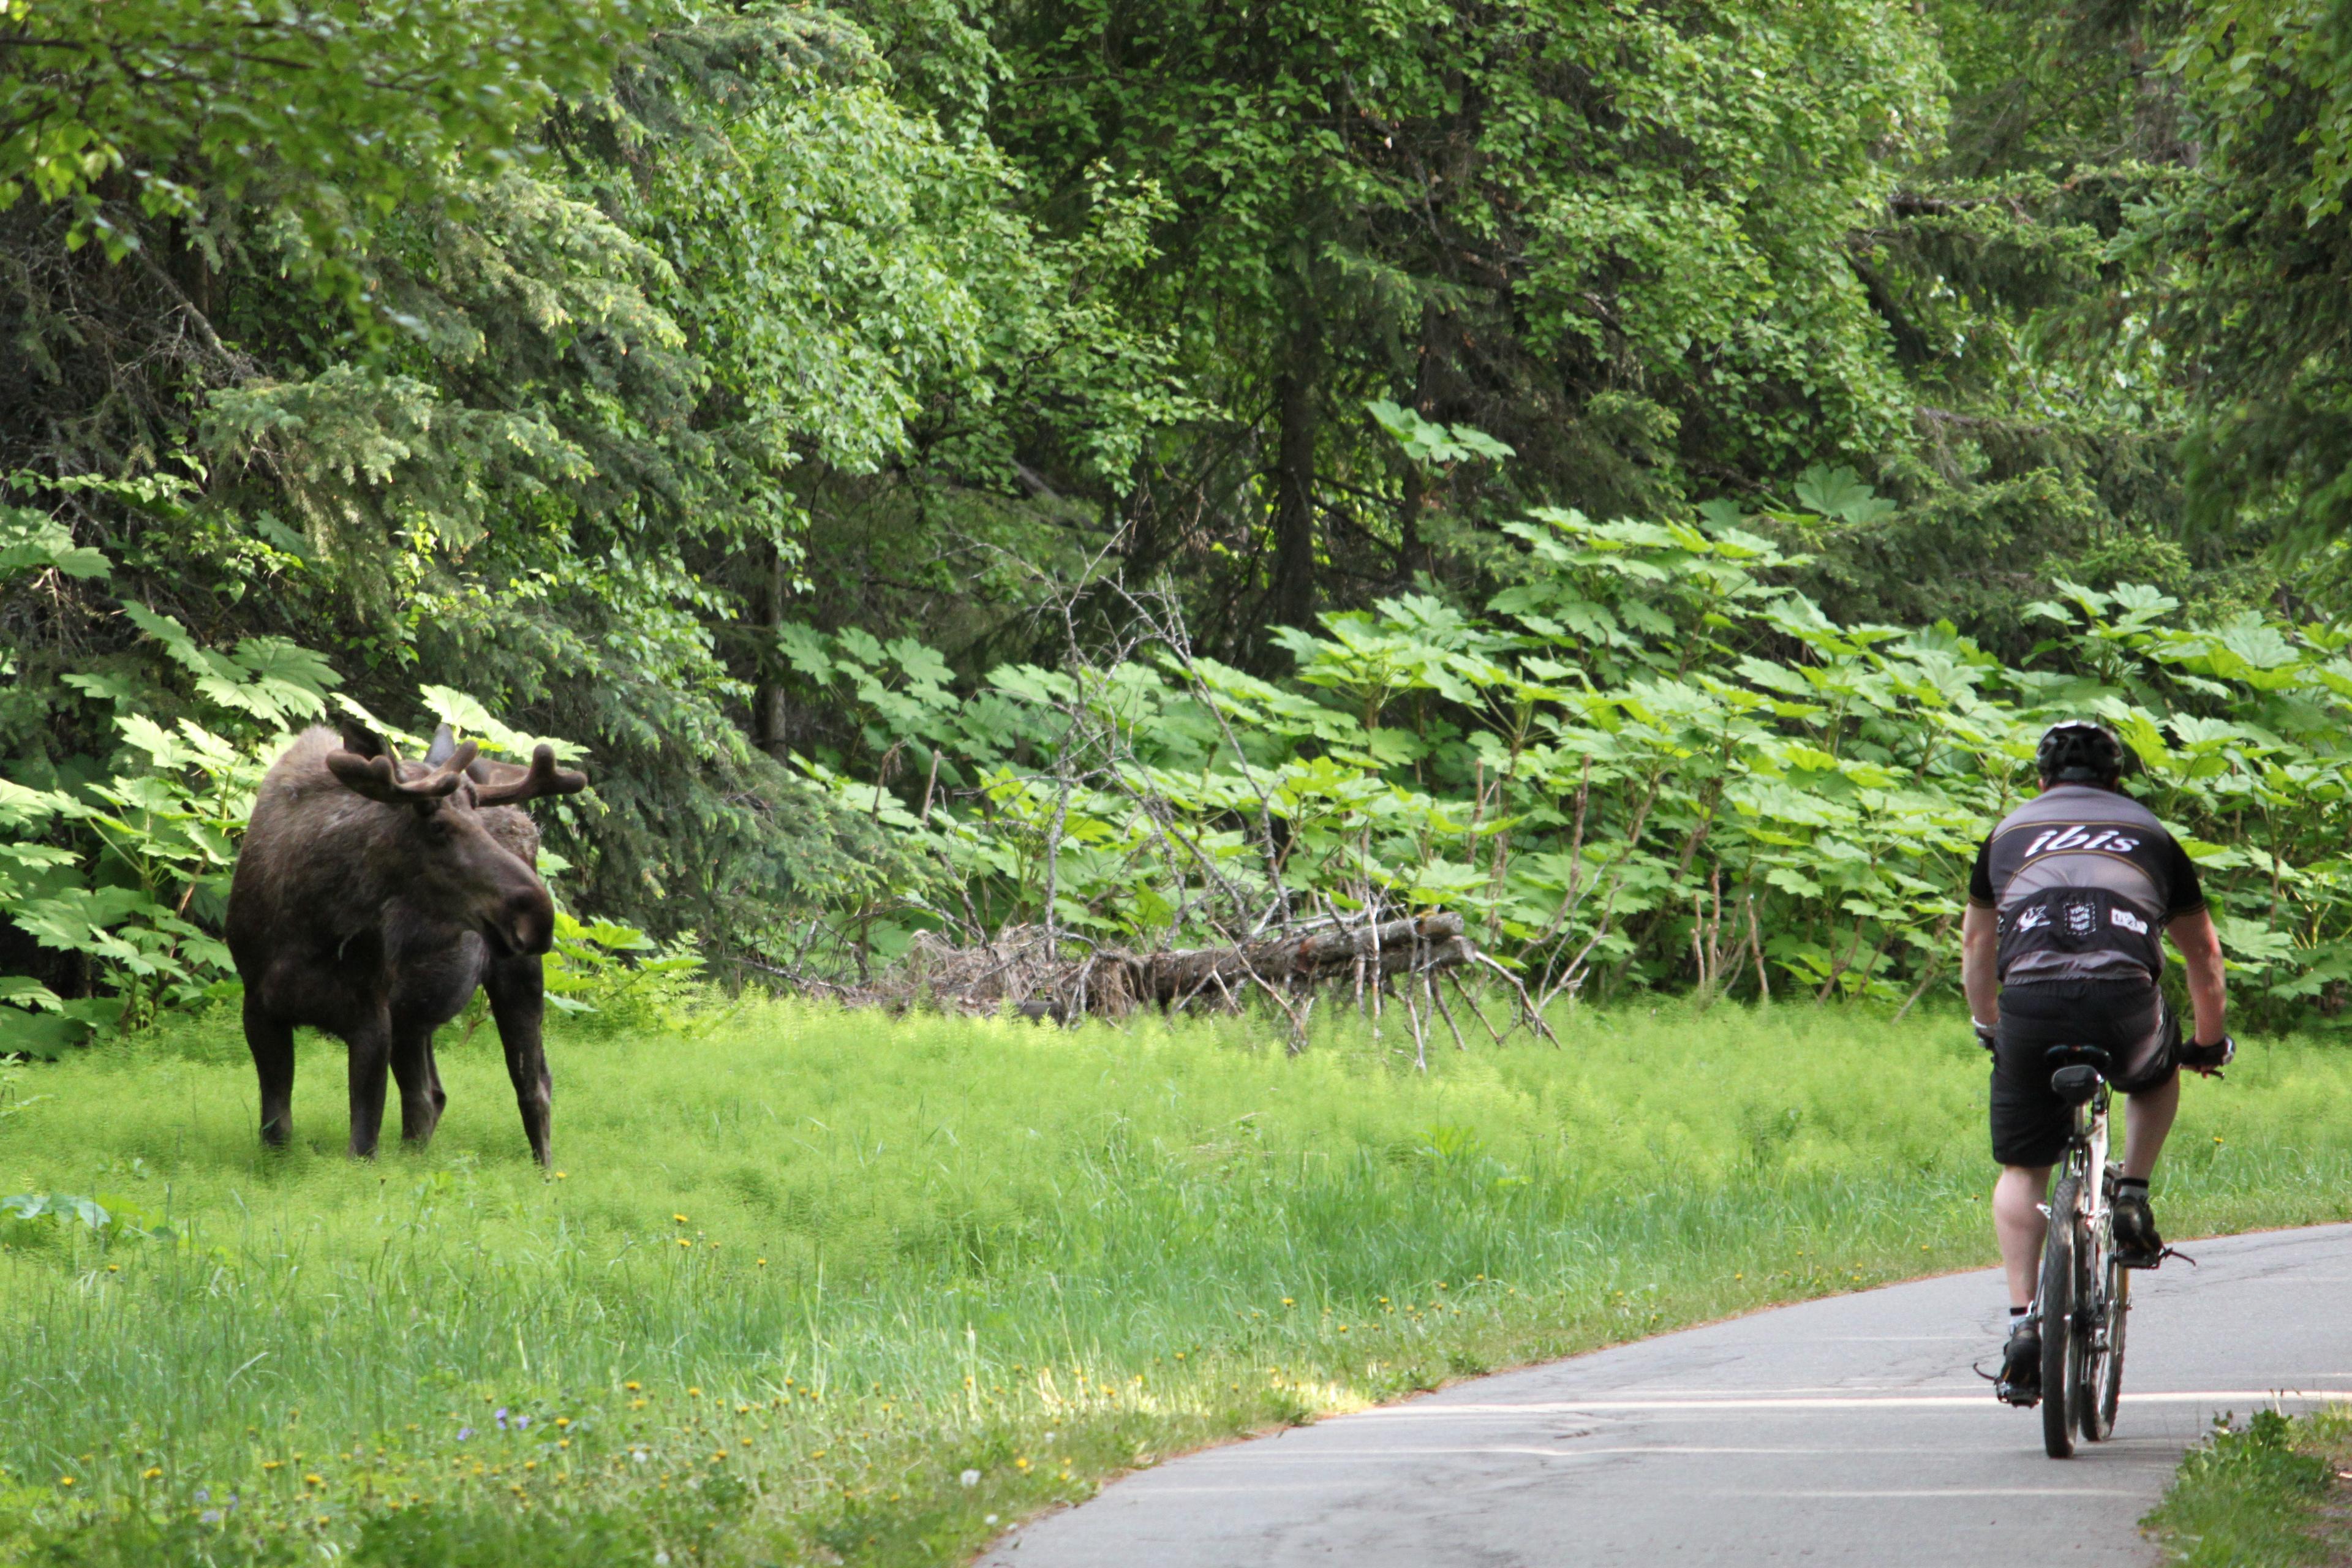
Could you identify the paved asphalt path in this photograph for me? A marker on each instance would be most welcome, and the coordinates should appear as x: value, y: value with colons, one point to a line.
x: 1845, y: 1431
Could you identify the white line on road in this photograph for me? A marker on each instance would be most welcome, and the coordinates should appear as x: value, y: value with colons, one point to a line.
x: 1810, y: 1402
x: 1954, y: 1492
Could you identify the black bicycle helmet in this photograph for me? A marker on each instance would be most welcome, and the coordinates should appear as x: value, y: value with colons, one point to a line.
x: 2077, y: 751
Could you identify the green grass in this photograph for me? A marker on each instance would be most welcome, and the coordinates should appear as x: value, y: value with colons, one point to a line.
x: 2262, y: 1496
x: 934, y: 1249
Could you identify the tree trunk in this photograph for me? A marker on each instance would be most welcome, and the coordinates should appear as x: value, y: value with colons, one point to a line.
x: 1412, y: 555
x: 1291, y: 602
x: 768, y: 709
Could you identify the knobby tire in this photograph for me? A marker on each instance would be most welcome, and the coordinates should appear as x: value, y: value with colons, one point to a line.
x: 2056, y: 1303
x: 2103, y: 1387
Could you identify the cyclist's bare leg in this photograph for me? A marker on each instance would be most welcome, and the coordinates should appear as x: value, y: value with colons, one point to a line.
x: 2147, y: 1117
x: 2019, y: 1223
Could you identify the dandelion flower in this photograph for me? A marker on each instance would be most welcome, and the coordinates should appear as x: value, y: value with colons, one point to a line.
x: 632, y: 1387
x: 679, y: 1217
x: 64, y: 1480
x: 693, y: 1393
x: 970, y: 1478
x: 151, y: 1472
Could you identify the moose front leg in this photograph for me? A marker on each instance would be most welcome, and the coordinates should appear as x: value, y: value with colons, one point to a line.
x: 370, y: 1048
x: 421, y: 1098
x: 272, y: 1045
x: 518, y: 991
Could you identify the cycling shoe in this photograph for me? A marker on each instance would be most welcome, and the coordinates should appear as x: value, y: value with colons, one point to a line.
x: 2137, y: 1246
x: 2020, y: 1383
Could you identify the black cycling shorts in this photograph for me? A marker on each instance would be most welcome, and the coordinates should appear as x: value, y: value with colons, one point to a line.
x: 2127, y: 1018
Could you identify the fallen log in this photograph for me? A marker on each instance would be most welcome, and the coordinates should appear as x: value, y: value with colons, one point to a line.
x: 1014, y: 970
x: 1392, y: 947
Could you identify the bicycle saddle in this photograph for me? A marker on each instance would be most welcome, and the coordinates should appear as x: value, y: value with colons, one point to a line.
x: 2077, y: 1072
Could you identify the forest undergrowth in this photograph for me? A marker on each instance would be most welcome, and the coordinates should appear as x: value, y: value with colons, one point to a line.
x: 809, y: 1285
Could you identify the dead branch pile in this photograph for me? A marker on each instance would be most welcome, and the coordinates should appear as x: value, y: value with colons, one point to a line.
x: 1016, y: 970
x: 1020, y: 971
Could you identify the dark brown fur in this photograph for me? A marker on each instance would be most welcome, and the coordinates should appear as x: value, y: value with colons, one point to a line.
x: 372, y: 905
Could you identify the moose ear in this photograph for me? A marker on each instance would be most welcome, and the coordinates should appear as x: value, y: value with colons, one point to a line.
x: 443, y: 747
x: 379, y: 778
x: 361, y: 741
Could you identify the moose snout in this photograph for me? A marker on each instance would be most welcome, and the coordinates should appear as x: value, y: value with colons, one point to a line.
x: 526, y: 922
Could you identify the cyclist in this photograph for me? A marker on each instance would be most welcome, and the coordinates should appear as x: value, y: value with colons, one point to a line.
x: 2062, y: 944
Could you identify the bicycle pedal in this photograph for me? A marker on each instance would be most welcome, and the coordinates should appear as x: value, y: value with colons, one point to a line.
x: 2014, y: 1397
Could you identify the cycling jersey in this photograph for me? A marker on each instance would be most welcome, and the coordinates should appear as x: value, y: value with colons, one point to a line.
x: 2082, y: 880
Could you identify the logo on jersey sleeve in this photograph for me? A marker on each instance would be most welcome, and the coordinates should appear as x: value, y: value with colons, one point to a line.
x: 2054, y: 840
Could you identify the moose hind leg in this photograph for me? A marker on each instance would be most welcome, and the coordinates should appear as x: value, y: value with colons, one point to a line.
x: 519, y: 1003
x: 272, y: 1045
x: 421, y: 1099
x: 371, y: 1050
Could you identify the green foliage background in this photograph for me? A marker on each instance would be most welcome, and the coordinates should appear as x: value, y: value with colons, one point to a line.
x: 705, y: 385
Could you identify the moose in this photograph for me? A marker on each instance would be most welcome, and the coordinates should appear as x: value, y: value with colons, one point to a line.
x: 372, y: 896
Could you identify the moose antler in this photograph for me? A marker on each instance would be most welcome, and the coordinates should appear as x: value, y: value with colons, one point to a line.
x: 503, y: 783
x: 379, y: 778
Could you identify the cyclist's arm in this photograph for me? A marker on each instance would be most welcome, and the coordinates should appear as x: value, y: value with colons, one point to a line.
x: 2200, y: 954
x: 1981, y: 963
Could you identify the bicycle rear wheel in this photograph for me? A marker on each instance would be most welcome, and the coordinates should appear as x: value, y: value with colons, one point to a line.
x: 2055, y: 1306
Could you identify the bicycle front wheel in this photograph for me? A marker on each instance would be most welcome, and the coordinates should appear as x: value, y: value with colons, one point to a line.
x: 2055, y: 1304
x: 2104, y: 1383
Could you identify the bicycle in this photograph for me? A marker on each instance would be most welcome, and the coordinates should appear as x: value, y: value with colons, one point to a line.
x: 2085, y: 1297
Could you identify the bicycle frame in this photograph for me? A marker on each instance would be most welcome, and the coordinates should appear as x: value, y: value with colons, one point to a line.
x: 2086, y: 1151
